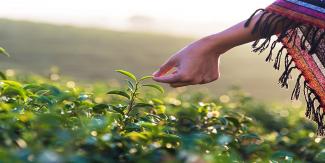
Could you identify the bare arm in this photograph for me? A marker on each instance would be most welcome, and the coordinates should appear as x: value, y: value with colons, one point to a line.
x: 235, y: 35
x: 198, y: 63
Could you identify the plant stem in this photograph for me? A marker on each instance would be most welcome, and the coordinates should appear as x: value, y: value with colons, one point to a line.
x: 130, y: 105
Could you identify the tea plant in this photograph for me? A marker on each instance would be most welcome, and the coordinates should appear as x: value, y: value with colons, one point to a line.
x: 3, y: 52
x: 45, y: 121
x: 133, y: 91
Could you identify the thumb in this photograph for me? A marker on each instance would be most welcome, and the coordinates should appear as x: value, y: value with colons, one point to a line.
x: 167, y: 66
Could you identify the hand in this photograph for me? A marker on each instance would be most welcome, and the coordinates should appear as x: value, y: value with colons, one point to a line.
x: 197, y: 63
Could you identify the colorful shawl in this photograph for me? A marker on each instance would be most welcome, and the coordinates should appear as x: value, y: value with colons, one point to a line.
x: 302, y: 24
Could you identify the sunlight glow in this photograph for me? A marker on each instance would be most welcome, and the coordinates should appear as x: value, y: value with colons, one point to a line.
x: 161, y: 15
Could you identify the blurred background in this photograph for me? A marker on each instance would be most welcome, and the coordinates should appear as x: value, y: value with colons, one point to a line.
x: 89, y: 39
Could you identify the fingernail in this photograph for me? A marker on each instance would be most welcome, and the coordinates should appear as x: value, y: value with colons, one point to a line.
x: 155, y: 73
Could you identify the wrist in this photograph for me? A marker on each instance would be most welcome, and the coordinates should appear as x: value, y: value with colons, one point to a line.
x: 216, y: 43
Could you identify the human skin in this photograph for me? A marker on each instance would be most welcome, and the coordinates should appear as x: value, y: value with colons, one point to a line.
x: 198, y: 62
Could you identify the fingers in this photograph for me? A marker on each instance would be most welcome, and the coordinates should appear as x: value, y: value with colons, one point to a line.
x: 165, y: 67
x: 194, y: 81
x: 171, y: 78
x: 175, y: 85
x: 186, y: 83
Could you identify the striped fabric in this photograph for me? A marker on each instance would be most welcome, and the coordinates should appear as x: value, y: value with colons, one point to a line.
x: 300, y: 11
x: 303, y: 30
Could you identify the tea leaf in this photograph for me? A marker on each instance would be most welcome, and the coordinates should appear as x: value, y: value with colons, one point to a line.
x: 3, y: 76
x: 118, y: 109
x: 321, y: 156
x: 282, y: 154
x: 4, y: 52
x: 157, y: 101
x: 100, y: 108
x: 224, y: 121
x: 158, y: 87
x: 146, y: 77
x: 117, y: 92
x: 128, y: 74
x: 11, y: 83
x: 250, y: 136
x: 135, y: 136
x: 14, y: 91
x: 42, y: 92
x: 130, y: 85
x: 143, y: 105
x: 224, y: 139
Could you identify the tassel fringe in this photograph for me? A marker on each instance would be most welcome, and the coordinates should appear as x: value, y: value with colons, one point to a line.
x: 266, y: 26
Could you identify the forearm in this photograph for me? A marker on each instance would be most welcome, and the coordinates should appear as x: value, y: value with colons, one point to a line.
x: 236, y: 35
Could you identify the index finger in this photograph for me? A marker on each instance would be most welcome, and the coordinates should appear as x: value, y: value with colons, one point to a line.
x: 170, y: 78
x: 166, y: 67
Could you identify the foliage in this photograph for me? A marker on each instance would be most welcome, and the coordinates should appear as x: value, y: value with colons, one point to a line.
x: 4, y: 52
x: 45, y: 121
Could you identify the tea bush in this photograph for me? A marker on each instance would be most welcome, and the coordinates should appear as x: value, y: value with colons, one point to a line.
x: 54, y: 121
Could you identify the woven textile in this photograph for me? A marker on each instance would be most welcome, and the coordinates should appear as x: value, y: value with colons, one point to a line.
x: 300, y: 28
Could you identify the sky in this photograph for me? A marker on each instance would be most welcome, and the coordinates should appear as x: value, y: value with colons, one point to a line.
x: 184, y: 17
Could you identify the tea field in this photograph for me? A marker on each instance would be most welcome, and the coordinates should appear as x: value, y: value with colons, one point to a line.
x: 53, y: 120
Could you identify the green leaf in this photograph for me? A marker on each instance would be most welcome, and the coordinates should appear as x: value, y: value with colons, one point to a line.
x: 45, y: 100
x: 250, y: 136
x: 160, y: 109
x: 130, y: 85
x: 11, y: 83
x: 170, y: 138
x: 4, y: 52
x: 42, y: 92
x: 14, y: 91
x: 224, y: 139
x: 320, y: 156
x: 224, y: 121
x: 158, y: 87
x: 32, y: 87
x: 128, y: 74
x: 117, y: 92
x: 132, y: 127
x: 3, y: 76
x: 118, y: 109
x: 281, y: 154
x: 147, y: 125
x: 100, y: 108
x: 136, y: 136
x: 146, y: 77
x: 143, y: 105
x: 234, y: 121
x: 157, y: 101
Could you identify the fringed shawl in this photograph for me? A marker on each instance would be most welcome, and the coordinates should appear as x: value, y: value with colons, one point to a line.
x: 302, y: 24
